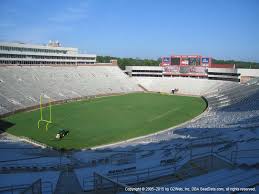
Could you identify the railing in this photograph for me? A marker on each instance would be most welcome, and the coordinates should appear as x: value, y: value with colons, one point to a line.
x: 46, y: 187
x: 152, y: 173
x: 34, y: 188
x: 145, y: 175
x: 178, y: 172
x: 237, y: 154
x: 104, y: 184
x: 181, y: 157
x: 225, y: 182
x: 13, y: 188
x: 183, y: 154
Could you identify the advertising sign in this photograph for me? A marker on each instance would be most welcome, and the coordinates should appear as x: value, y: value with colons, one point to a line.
x: 205, y: 60
x: 166, y: 59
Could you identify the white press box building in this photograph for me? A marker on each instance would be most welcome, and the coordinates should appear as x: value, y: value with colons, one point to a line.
x: 52, y: 53
x: 226, y: 74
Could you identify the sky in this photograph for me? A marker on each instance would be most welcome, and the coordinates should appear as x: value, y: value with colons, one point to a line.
x: 222, y: 29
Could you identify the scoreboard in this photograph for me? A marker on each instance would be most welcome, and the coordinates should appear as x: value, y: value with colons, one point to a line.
x: 186, y: 64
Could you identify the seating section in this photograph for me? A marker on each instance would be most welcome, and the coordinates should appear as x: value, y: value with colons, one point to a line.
x: 21, y: 87
x: 188, y: 86
x: 237, y: 178
x: 16, y: 183
x: 234, y: 126
x: 229, y: 128
x: 229, y: 95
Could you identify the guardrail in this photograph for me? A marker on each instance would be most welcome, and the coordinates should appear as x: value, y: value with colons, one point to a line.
x: 182, y: 156
x: 45, y: 187
x: 104, y: 184
x: 179, y: 172
x: 238, y: 154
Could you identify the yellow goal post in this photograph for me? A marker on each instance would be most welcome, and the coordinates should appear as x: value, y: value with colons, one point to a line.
x: 41, y: 114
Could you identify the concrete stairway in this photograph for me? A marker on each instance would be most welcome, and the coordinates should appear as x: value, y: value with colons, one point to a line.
x: 143, y: 88
x: 68, y: 183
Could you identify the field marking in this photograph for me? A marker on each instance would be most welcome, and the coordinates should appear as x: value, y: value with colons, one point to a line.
x: 120, y: 143
x: 95, y: 101
x: 163, y: 115
x: 129, y: 107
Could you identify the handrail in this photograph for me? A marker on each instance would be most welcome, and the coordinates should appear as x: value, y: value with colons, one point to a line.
x: 226, y: 177
x: 155, y: 172
x: 145, y: 174
x: 13, y: 187
x: 247, y: 178
x: 45, y: 184
x: 244, y: 150
x: 116, y: 184
x: 183, y: 152
x: 31, y: 187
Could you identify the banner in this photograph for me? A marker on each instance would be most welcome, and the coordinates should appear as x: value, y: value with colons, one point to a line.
x: 185, y: 69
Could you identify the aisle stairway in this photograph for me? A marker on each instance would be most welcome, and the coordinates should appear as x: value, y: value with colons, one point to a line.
x: 68, y: 183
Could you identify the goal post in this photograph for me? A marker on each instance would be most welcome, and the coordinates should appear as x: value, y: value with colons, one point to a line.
x: 42, y: 119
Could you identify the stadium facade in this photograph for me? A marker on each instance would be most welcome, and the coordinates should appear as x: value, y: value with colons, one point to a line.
x: 150, y: 71
x: 52, y: 53
x: 194, y: 66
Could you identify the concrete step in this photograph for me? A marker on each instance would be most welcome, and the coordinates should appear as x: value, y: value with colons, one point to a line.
x: 68, y: 183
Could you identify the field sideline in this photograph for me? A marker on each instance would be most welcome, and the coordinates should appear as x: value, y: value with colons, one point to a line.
x: 108, y: 119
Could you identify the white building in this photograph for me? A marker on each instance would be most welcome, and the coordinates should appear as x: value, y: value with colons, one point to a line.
x: 51, y: 54
x: 226, y: 74
x: 144, y: 71
x: 232, y: 74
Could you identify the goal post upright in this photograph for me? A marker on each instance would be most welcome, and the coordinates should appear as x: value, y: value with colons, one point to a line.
x: 41, y: 115
x: 40, y: 109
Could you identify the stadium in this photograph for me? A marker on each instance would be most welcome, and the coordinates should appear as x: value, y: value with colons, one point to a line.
x: 72, y: 125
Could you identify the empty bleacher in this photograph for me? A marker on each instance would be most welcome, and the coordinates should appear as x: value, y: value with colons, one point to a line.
x: 232, y: 119
x: 22, y: 86
x: 232, y: 178
x: 187, y: 86
x: 226, y: 96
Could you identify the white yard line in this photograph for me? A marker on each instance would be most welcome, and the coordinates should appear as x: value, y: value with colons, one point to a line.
x: 163, y: 115
x: 150, y: 135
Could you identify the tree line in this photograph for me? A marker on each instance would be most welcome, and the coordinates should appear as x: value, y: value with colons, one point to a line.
x: 122, y: 62
x: 239, y: 64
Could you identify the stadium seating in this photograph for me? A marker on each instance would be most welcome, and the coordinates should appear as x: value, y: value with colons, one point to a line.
x: 231, y: 95
x: 220, y: 179
x: 188, y: 86
x: 22, y: 86
x: 228, y: 129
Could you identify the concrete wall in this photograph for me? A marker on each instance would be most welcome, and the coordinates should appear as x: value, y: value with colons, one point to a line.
x: 249, y: 72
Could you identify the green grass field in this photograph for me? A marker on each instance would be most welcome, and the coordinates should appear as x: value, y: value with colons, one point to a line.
x: 108, y: 119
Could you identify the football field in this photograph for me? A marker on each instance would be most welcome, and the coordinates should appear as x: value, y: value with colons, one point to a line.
x: 108, y: 119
